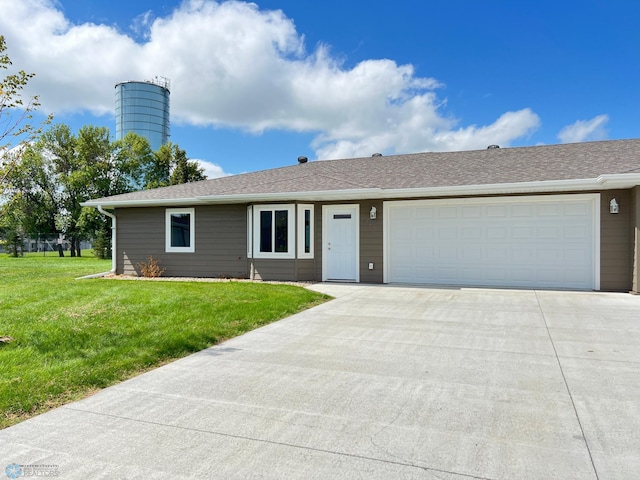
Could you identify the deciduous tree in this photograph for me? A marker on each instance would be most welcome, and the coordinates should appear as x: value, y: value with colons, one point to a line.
x: 16, y: 115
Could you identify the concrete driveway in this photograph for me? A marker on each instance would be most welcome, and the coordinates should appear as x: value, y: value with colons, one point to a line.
x: 383, y: 382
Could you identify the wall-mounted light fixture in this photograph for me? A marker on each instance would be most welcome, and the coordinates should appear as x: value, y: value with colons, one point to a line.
x: 614, y: 207
x: 372, y: 213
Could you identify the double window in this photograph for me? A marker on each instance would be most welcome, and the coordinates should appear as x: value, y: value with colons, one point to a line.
x: 180, y: 230
x: 272, y: 231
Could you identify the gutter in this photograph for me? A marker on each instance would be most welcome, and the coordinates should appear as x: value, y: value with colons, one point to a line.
x: 602, y: 182
x: 113, y: 237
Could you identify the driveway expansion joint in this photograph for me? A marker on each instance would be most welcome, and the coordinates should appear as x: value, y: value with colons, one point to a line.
x: 566, y: 384
x: 281, y: 444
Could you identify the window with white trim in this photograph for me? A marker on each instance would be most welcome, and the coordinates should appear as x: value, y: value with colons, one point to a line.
x: 250, y: 231
x: 274, y: 231
x: 305, y: 231
x: 180, y: 232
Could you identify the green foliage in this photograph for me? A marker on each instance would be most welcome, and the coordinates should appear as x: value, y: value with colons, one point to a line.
x: 172, y: 167
x: 185, y: 170
x: 61, y: 170
x: 12, y: 241
x: 71, y: 337
x: 102, y: 245
x: 15, y: 115
x: 54, y: 175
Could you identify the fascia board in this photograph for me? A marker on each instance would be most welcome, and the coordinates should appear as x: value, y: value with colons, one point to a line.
x: 605, y: 182
x: 156, y: 202
x: 498, y: 188
x: 326, y: 195
x: 619, y: 180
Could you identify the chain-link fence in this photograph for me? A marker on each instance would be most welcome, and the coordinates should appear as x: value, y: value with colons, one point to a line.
x: 45, y: 244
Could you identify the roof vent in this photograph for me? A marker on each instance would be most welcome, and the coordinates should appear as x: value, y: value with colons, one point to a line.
x: 302, y: 159
x: 376, y: 155
x: 491, y: 147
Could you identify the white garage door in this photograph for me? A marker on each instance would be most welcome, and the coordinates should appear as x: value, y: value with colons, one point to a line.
x: 544, y: 241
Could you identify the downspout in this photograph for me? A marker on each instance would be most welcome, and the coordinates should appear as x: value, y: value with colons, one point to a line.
x: 113, y: 237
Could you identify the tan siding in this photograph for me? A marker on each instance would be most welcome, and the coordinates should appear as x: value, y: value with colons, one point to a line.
x: 306, y: 270
x: 634, y: 239
x: 371, y: 242
x: 615, y: 245
x: 220, y: 242
x: 274, y: 269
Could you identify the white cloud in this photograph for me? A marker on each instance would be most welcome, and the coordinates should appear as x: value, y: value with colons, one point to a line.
x: 412, y: 133
x: 140, y: 24
x: 211, y: 170
x: 585, y: 130
x: 232, y: 64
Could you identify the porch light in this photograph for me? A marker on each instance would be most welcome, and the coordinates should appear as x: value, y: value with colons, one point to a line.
x: 372, y: 213
x: 614, y: 206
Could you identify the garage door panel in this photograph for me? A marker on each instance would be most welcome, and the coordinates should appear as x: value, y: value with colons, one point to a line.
x: 426, y: 253
x: 522, y: 233
x: 472, y: 254
x: 424, y: 233
x: 496, y: 233
x: 472, y: 212
x: 448, y: 274
x: 448, y: 212
x: 448, y: 233
x: 549, y: 210
x: 522, y: 254
x: 549, y: 232
x: 423, y: 212
x: 550, y: 255
x: 472, y: 275
x: 447, y: 253
x: 549, y: 276
x: 577, y: 232
x: 530, y: 243
x: 522, y: 211
x: 576, y: 256
x: 472, y: 233
x: 575, y: 209
x: 497, y: 211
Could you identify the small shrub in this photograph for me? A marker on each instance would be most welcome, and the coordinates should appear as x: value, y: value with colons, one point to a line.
x: 150, y: 268
x: 13, y: 244
x: 102, y: 246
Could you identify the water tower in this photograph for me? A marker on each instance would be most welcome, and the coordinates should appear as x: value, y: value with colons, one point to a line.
x: 143, y: 108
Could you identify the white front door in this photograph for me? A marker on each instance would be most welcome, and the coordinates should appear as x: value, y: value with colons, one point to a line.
x: 340, y: 239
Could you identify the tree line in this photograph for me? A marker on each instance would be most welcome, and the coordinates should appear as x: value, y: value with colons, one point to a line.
x: 52, y: 176
x: 46, y: 173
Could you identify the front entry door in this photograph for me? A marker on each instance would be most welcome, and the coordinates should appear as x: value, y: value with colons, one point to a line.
x: 340, y: 241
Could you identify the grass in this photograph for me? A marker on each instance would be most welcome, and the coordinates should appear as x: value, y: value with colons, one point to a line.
x: 72, y: 337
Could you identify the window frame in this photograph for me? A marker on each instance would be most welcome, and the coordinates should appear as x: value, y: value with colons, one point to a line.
x: 302, y: 208
x: 192, y: 230
x: 255, y: 212
x: 250, y: 231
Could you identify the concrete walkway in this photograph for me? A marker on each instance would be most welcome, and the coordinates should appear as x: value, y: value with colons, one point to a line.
x: 383, y: 382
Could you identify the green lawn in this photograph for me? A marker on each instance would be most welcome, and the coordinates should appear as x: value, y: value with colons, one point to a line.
x: 71, y: 337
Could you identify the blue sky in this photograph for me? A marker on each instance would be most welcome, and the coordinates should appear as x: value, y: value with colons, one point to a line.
x: 256, y: 85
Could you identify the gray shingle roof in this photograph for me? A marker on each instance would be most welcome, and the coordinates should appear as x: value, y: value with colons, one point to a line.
x: 577, y: 161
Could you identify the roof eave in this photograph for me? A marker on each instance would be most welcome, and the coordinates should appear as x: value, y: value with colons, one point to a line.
x: 603, y: 182
x: 155, y: 202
